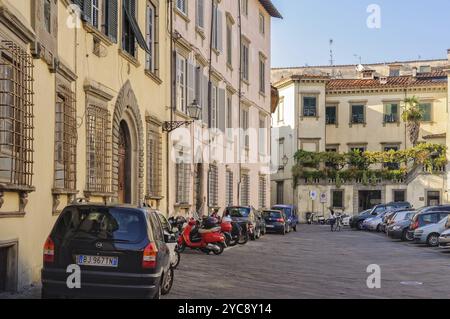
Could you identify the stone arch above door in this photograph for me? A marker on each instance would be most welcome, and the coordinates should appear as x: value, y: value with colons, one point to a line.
x: 127, y: 102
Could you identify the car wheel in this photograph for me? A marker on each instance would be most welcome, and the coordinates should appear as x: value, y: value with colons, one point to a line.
x: 176, y: 260
x: 295, y: 228
x: 379, y: 229
x: 433, y: 240
x: 167, y: 282
x: 360, y: 225
x: 181, y: 248
x: 258, y: 234
x: 409, y: 236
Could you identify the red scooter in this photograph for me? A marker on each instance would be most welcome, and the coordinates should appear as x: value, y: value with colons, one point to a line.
x: 205, y: 240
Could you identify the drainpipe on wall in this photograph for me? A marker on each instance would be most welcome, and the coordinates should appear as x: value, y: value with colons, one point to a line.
x: 239, y: 97
x: 172, y: 99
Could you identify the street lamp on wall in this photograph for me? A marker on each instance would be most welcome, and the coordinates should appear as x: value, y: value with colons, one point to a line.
x: 194, y: 111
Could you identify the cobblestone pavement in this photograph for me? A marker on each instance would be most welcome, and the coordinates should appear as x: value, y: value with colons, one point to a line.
x: 315, y: 263
x: 312, y: 263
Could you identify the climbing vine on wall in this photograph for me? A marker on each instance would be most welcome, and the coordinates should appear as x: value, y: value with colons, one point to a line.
x: 391, y: 165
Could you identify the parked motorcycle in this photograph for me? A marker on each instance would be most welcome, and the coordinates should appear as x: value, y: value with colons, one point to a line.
x: 233, y: 232
x: 204, y: 239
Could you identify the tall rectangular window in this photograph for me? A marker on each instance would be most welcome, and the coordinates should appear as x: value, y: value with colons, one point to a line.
x: 213, y: 185
x: 200, y: 13
x: 262, y: 136
x: 309, y: 106
x: 262, y: 75
x: 181, y: 78
x: 182, y: 6
x: 262, y: 191
x: 262, y: 24
x: 217, y: 27
x: 280, y: 111
x: 245, y: 127
x: 154, y: 160
x: 214, y: 102
x: 280, y: 193
x: 229, y: 43
x: 95, y: 13
x: 337, y: 198
x: 48, y: 15
x: 229, y: 116
x: 16, y: 115
x: 183, y: 182
x: 427, y: 115
x: 65, y: 139
x: 357, y: 114
x: 245, y: 189
x: 128, y: 33
x: 331, y: 115
x: 98, y: 149
x: 150, y: 36
x: 245, y: 61
x: 229, y: 198
x: 281, y: 152
x: 244, y: 7
x: 391, y: 113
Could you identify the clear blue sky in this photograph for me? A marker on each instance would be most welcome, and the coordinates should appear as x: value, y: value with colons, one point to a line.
x: 409, y: 29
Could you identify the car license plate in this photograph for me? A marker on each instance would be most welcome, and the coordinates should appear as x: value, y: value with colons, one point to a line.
x: 270, y: 226
x: 97, y: 261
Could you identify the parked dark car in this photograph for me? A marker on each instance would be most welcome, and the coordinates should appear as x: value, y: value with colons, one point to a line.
x: 399, y: 229
x: 291, y: 213
x: 276, y: 221
x: 246, y: 216
x: 357, y: 221
x: 426, y: 217
x: 121, y: 250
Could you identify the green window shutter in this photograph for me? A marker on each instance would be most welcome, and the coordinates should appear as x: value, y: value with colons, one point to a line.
x: 112, y: 19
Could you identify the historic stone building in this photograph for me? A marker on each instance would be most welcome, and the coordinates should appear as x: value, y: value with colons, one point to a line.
x: 333, y: 110
x: 222, y: 58
x: 84, y: 94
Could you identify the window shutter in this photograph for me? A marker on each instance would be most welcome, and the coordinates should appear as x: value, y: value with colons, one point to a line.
x: 200, y: 14
x: 219, y: 31
x: 112, y: 19
x: 190, y: 83
x: 205, y: 100
x: 221, y: 110
x: 87, y: 10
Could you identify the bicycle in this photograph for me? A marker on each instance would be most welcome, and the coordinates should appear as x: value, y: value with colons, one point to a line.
x: 338, y: 225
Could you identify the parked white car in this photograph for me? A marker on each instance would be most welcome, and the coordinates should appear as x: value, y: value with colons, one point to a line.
x: 430, y: 234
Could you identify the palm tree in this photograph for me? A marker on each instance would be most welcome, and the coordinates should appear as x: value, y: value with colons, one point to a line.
x: 412, y: 115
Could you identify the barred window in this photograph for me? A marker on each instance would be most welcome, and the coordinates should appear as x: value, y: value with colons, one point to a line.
x: 98, y: 149
x: 229, y: 189
x: 65, y: 139
x: 183, y: 183
x: 245, y: 190
x: 213, y: 185
x: 154, y: 160
x: 16, y: 115
x: 262, y: 191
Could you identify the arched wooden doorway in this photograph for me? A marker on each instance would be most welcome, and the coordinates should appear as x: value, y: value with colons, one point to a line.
x: 125, y: 159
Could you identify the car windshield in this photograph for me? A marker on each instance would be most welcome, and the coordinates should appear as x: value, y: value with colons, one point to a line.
x: 379, y: 209
x: 272, y: 214
x: 115, y: 224
x: 286, y: 210
x: 238, y: 212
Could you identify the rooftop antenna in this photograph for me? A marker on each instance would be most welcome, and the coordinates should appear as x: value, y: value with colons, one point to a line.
x: 358, y: 57
x: 332, y: 57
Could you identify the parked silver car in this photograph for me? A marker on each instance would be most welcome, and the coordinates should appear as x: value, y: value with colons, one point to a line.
x: 444, y: 239
x: 430, y: 234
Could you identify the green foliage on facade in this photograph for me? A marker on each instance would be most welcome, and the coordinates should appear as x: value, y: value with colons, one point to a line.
x: 357, y: 166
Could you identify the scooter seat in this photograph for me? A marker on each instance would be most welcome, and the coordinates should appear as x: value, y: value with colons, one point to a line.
x: 208, y: 231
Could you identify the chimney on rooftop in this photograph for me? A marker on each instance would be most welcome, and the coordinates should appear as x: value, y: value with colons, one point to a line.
x: 414, y: 72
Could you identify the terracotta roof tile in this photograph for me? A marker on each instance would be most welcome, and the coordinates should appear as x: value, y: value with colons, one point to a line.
x: 424, y: 79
